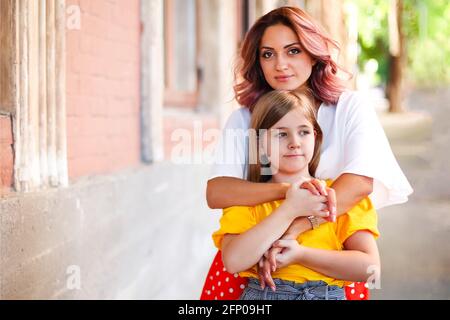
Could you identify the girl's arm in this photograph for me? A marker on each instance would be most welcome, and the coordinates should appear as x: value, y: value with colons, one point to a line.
x: 224, y: 192
x: 240, y: 252
x: 352, y: 264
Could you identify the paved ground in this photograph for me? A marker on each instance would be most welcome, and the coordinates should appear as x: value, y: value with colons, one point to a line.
x: 415, y: 241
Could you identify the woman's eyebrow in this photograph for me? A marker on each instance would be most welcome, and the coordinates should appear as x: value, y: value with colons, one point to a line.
x: 289, y: 45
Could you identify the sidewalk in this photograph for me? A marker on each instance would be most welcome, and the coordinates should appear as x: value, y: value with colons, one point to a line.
x: 414, y: 242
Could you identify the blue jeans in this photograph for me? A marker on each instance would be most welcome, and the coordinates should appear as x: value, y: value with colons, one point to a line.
x: 289, y: 290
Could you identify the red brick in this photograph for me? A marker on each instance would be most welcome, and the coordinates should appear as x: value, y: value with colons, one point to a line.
x: 103, y: 113
x: 6, y: 165
x: 5, y: 130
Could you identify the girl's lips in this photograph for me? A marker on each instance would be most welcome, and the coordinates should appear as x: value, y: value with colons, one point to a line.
x: 293, y: 155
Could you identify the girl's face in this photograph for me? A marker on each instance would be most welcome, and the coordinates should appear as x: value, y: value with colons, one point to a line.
x: 286, y: 66
x: 289, y: 144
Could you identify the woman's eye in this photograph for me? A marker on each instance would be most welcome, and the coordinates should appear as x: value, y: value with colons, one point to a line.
x: 294, y: 51
x: 304, y: 133
x: 266, y: 54
x: 282, y: 134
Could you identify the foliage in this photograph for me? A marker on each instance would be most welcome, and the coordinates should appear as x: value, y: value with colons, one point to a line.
x: 426, y: 25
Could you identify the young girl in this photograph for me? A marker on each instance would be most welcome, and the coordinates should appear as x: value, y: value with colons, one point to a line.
x: 316, y: 265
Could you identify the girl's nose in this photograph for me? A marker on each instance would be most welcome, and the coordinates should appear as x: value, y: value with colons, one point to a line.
x: 294, y: 144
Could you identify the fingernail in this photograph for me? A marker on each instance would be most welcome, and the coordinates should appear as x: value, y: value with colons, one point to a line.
x: 273, y: 289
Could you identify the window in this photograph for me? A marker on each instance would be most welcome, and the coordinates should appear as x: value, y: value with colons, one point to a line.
x: 6, y: 56
x: 181, y: 47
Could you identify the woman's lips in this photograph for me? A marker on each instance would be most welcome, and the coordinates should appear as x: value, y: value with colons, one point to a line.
x: 283, y: 78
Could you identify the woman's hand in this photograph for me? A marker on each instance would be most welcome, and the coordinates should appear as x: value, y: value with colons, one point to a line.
x: 304, y: 202
x: 319, y: 187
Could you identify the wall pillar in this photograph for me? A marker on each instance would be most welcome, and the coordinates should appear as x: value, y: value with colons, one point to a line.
x: 39, y: 117
x: 152, y: 80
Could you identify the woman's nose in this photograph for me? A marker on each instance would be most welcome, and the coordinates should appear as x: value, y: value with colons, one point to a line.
x: 281, y: 64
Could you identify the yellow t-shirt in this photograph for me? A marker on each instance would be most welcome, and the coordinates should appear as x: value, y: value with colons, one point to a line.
x: 329, y: 236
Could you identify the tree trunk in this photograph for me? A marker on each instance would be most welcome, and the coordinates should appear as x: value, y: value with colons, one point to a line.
x: 397, y: 57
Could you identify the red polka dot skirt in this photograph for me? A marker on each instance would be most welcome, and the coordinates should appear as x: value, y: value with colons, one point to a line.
x: 222, y: 285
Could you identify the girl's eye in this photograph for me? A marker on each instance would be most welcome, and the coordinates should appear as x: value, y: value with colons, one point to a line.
x: 304, y: 132
x: 266, y: 54
x: 282, y: 134
x: 294, y: 51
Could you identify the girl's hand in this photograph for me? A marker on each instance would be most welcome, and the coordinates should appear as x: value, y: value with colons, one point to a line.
x: 319, y: 188
x: 264, y: 274
x: 301, y: 202
x: 291, y: 252
x: 271, y: 257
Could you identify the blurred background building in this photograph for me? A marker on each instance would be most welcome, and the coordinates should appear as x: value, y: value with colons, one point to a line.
x: 96, y: 95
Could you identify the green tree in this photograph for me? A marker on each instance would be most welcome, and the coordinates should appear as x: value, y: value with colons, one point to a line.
x: 426, y: 25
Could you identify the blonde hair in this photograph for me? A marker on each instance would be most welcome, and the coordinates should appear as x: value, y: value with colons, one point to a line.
x: 268, y: 110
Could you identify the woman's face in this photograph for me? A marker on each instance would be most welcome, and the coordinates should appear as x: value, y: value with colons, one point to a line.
x: 286, y: 66
x: 289, y: 144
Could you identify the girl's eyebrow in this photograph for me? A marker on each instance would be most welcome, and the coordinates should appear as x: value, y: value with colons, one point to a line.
x: 300, y: 126
x: 289, y: 45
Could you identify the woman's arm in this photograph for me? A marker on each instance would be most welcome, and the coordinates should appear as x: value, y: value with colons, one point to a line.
x: 352, y: 264
x: 224, y: 192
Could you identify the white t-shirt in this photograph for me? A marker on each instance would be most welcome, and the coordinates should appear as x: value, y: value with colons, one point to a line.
x: 353, y: 142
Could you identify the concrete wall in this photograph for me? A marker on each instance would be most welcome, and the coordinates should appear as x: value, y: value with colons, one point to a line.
x: 103, y: 82
x: 126, y: 234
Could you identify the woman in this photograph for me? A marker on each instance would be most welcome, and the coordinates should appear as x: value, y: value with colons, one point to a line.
x: 286, y: 50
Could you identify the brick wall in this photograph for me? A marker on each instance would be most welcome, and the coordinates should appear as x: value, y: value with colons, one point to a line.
x: 103, y: 59
x: 6, y: 154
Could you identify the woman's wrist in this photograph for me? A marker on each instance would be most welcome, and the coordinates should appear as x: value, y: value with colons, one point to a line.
x: 282, y: 188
